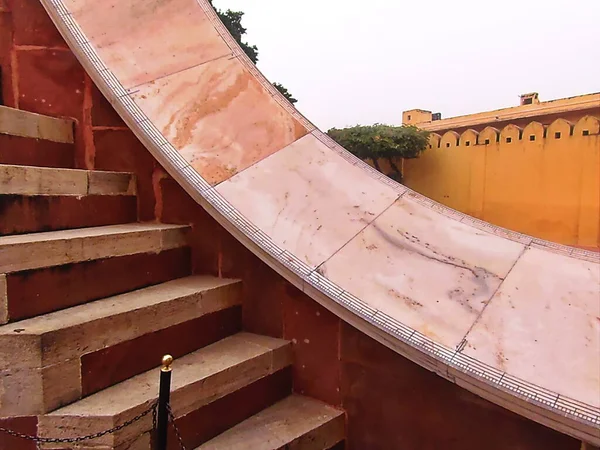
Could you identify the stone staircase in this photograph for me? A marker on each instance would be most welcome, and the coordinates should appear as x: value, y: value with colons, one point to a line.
x: 90, y: 299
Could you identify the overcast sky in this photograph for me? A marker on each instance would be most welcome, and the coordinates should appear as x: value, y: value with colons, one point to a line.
x: 349, y: 62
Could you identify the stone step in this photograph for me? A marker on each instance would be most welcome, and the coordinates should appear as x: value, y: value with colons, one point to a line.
x: 38, y: 213
x: 204, y: 424
x: 31, y: 293
x: 29, y: 180
x: 53, y: 248
x: 55, y: 348
x: 294, y: 423
x: 198, y: 379
x: 16, y: 122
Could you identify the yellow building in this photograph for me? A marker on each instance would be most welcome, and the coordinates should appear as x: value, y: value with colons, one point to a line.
x: 533, y: 168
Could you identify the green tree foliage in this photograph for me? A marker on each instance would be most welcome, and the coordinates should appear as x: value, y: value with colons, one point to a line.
x: 233, y: 22
x: 382, y: 142
x: 285, y: 92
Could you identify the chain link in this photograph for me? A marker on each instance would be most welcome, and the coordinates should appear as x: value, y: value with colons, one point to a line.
x: 90, y: 436
x: 177, y: 433
x: 152, y: 408
x: 154, y: 417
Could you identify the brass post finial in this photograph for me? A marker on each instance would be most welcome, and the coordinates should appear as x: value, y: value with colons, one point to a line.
x: 167, y: 360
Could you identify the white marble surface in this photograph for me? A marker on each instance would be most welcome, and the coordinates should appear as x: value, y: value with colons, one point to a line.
x: 543, y: 325
x: 308, y: 199
x: 428, y: 271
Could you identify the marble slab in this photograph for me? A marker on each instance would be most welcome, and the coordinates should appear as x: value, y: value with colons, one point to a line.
x: 308, y: 199
x: 543, y: 325
x: 428, y: 271
x: 219, y: 117
x: 119, y: 31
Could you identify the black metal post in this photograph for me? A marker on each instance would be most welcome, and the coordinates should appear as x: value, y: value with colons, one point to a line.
x: 164, y: 394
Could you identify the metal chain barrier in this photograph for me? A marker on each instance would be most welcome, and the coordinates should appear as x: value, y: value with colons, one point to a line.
x: 43, y: 440
x: 161, y: 416
x: 177, y: 433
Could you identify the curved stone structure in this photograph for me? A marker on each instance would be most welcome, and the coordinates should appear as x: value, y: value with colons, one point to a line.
x: 511, y: 318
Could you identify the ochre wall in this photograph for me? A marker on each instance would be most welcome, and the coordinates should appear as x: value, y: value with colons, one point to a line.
x: 391, y: 403
x: 548, y: 187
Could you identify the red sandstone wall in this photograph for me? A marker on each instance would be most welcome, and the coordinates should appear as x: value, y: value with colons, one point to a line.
x: 390, y: 402
x: 40, y: 74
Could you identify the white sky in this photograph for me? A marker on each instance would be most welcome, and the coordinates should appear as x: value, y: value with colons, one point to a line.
x: 349, y: 62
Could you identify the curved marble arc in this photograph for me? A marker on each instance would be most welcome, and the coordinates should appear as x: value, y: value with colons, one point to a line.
x: 511, y: 318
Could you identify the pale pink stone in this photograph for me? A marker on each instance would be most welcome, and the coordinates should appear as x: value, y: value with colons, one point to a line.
x: 543, y: 325
x: 428, y: 271
x: 219, y: 117
x: 143, y: 40
x: 308, y: 199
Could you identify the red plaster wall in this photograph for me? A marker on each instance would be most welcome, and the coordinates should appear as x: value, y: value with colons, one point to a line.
x: 390, y: 402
